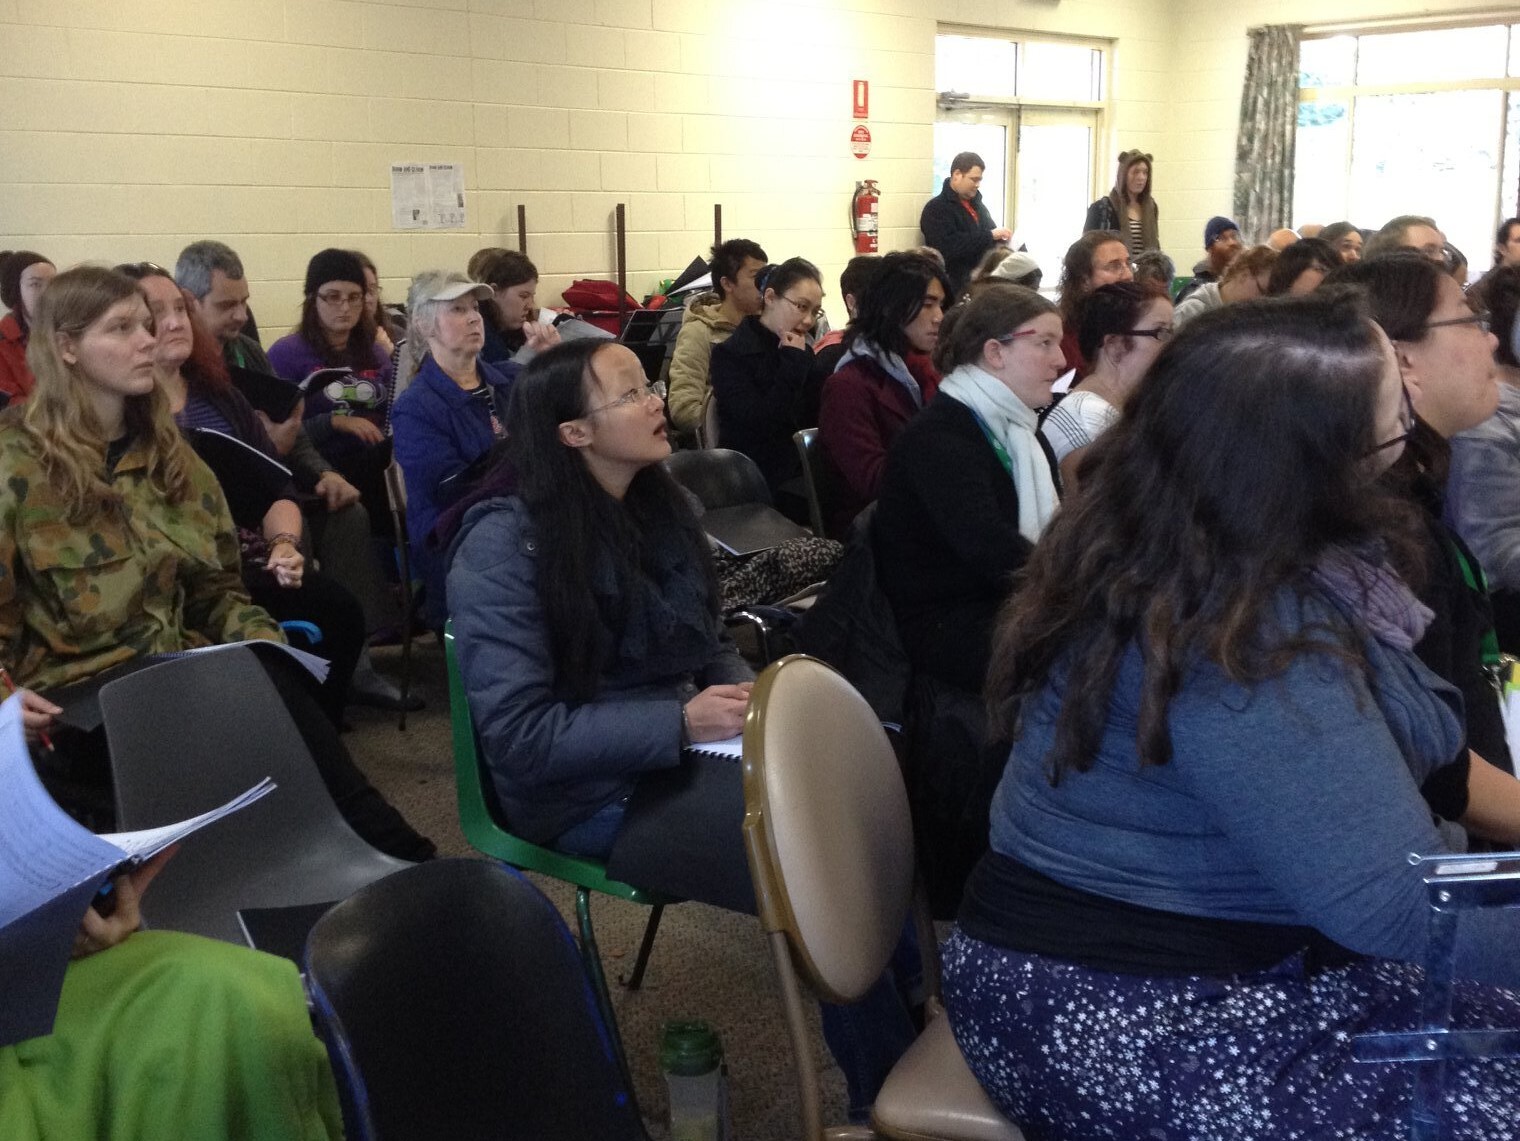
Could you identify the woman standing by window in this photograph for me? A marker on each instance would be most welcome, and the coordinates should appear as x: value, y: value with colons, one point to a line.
x: 1129, y: 208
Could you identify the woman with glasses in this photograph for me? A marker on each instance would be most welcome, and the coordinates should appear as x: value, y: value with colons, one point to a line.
x: 586, y: 616
x: 968, y: 488
x: 1445, y: 355
x: 764, y: 381
x: 1122, y: 331
x: 345, y: 413
x: 450, y: 417
x: 1198, y: 889
x: 1097, y: 258
x: 1483, y: 489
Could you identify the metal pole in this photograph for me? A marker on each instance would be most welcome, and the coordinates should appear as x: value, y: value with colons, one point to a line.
x: 622, y: 265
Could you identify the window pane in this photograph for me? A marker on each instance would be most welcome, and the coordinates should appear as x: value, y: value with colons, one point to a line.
x: 1434, y: 154
x: 990, y: 142
x: 1061, y: 71
x: 1452, y: 53
x: 1054, y: 170
x: 975, y: 65
x: 1327, y: 63
x: 1514, y: 49
x: 1321, y: 179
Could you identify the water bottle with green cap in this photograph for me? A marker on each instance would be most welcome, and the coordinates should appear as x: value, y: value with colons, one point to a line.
x: 691, y: 1056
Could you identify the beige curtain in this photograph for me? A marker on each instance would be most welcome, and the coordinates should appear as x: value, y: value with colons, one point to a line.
x: 1268, y: 119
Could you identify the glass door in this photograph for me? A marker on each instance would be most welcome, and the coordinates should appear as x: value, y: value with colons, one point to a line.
x: 986, y: 133
x: 1053, y: 183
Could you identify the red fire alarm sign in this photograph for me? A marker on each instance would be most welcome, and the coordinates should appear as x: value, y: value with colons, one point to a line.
x: 862, y: 99
x: 860, y: 141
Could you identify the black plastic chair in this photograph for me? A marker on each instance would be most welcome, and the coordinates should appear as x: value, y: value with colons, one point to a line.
x: 192, y: 733
x: 719, y: 477
x: 455, y: 1004
x: 816, y: 479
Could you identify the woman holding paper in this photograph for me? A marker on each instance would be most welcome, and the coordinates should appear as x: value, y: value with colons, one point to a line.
x: 162, y: 1034
x: 116, y: 542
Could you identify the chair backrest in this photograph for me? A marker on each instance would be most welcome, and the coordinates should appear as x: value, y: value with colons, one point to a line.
x: 813, y: 476
x: 190, y: 734
x: 479, y: 814
x: 707, y: 434
x: 826, y: 826
x: 395, y: 497
x: 461, y: 1008
x: 719, y: 477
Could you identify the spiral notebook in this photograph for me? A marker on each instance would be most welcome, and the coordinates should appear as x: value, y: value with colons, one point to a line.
x: 733, y: 748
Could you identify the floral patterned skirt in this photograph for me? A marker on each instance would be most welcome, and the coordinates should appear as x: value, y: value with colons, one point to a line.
x: 1071, y: 1053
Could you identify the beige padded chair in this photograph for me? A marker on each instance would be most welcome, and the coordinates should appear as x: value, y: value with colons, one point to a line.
x: 830, y: 846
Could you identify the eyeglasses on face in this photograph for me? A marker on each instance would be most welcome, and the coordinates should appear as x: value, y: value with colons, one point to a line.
x: 803, y: 308
x: 1162, y: 333
x: 633, y: 396
x: 1406, y: 423
x: 341, y: 300
x: 1482, y: 319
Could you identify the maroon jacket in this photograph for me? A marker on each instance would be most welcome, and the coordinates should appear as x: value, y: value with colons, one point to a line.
x: 864, y: 408
x: 15, y: 377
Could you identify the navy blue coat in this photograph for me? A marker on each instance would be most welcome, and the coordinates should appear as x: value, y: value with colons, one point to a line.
x: 440, y: 430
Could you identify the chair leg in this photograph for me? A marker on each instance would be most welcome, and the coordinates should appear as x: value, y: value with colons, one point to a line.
x: 646, y: 945
x: 593, y: 959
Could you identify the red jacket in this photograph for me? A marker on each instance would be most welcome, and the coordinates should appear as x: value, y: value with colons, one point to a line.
x: 15, y: 378
x: 864, y: 408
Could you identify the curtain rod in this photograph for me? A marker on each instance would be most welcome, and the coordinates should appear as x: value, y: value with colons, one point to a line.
x: 1426, y: 19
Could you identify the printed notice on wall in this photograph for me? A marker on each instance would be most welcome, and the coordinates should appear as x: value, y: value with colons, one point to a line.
x: 427, y: 196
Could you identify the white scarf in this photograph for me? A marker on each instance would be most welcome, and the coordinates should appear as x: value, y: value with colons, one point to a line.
x: 1012, y: 423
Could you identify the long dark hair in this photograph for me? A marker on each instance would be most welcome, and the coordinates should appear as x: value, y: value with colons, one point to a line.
x: 1196, y: 510
x: 1077, y: 271
x: 892, y: 298
x: 578, y: 525
x: 358, y: 354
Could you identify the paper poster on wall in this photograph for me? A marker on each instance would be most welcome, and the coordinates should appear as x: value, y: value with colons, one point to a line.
x: 427, y: 196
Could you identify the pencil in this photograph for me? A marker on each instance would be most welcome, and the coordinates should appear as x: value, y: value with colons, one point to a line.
x: 10, y: 687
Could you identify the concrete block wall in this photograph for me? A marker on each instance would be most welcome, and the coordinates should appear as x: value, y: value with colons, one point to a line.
x: 127, y: 130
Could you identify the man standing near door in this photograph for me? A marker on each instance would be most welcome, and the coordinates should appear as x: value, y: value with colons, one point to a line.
x: 957, y: 224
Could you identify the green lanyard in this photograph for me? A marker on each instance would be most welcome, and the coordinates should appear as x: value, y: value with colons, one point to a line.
x: 997, y: 445
x: 1478, y: 584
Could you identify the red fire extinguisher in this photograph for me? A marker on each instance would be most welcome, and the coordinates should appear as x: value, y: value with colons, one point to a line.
x: 863, y: 206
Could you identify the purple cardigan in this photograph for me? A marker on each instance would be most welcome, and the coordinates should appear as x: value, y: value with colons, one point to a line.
x: 368, y: 396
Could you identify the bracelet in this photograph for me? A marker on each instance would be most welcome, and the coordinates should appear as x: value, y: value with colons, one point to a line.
x: 283, y: 537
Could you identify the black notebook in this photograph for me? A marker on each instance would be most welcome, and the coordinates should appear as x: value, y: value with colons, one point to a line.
x: 250, y: 480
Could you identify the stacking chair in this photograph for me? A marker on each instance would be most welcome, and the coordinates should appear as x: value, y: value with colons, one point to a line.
x: 707, y: 430
x: 719, y: 477
x: 480, y: 820
x: 192, y: 733
x: 454, y: 1005
x: 809, y: 448
x: 395, y: 495
x: 830, y: 846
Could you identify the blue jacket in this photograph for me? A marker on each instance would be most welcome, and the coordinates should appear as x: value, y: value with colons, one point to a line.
x: 555, y: 763
x: 440, y: 430
x: 1295, y: 800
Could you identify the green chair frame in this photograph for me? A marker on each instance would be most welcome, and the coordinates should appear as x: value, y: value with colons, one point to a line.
x: 487, y: 835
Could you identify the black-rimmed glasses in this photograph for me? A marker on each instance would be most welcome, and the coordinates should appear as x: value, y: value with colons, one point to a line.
x: 1162, y: 333
x: 1407, y: 423
x: 1482, y: 319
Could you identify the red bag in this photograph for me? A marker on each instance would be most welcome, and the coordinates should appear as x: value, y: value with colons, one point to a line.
x: 595, y: 300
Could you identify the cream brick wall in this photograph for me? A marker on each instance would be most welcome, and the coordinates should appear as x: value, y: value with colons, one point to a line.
x: 127, y: 130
